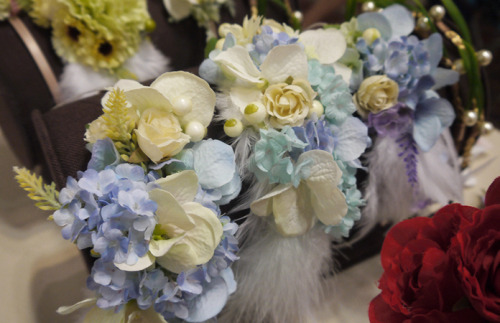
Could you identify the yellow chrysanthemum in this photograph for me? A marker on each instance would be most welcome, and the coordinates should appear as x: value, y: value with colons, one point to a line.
x: 43, y: 11
x: 4, y: 9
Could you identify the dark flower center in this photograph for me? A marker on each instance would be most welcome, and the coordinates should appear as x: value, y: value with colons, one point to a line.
x: 73, y: 33
x: 105, y: 48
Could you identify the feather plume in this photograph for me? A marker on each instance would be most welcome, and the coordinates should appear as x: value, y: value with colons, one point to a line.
x: 78, y: 80
x: 279, y: 279
x: 389, y: 194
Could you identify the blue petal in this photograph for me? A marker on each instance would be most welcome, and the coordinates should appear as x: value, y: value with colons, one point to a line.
x: 214, y: 163
x: 444, y: 77
x: 104, y: 154
x: 210, y: 302
x: 375, y: 20
x: 434, y: 46
x: 400, y: 19
x: 351, y: 139
x: 426, y: 131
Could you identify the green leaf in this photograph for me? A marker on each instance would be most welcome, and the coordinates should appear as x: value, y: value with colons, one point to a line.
x: 210, y: 46
x: 350, y: 9
x: 262, y: 7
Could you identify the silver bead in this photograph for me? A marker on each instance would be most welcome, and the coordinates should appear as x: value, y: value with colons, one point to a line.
x: 423, y: 24
x: 470, y: 118
x: 487, y: 128
x: 437, y: 12
x: 368, y: 6
x: 484, y: 57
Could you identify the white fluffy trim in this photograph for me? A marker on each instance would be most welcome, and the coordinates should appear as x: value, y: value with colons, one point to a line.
x: 280, y: 280
x: 78, y: 81
x: 390, y: 198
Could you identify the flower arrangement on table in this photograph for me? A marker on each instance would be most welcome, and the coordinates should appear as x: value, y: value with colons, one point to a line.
x: 444, y: 268
x: 99, y: 41
x: 285, y: 101
x: 148, y: 204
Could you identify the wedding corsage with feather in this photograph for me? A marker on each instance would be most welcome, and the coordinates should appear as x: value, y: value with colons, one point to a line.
x: 285, y: 100
x: 99, y: 41
x: 413, y: 162
x: 148, y: 205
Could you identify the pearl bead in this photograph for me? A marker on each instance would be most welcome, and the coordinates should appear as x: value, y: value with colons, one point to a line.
x: 298, y: 15
x: 484, y: 57
x: 470, y: 118
x: 182, y: 106
x: 437, y: 12
x: 317, y: 108
x: 195, y: 130
x: 233, y: 127
x: 368, y: 6
x: 423, y: 24
x: 458, y: 66
x: 487, y: 128
x: 255, y: 113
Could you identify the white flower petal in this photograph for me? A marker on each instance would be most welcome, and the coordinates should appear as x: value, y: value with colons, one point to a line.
x: 146, y: 97
x: 143, y: 263
x: 263, y: 206
x: 284, y: 61
x: 183, y: 185
x: 174, y: 85
x: 237, y: 63
x: 161, y: 247
x: 63, y: 310
x: 170, y: 213
x: 344, y: 71
x: 329, y: 44
x: 293, y: 214
x: 327, y: 200
x: 242, y: 97
x: 178, y: 9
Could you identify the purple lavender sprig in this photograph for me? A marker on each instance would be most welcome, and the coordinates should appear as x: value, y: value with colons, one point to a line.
x: 409, y: 153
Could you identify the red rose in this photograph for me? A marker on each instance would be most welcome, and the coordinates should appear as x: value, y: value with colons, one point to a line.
x: 418, y: 284
x: 476, y: 250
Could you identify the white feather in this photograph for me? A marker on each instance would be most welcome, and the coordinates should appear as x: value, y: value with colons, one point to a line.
x: 389, y: 196
x: 78, y: 81
x: 280, y: 280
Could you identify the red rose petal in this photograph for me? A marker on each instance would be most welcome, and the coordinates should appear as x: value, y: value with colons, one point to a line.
x: 493, y: 193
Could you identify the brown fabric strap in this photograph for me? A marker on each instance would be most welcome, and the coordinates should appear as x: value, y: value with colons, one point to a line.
x: 38, y: 56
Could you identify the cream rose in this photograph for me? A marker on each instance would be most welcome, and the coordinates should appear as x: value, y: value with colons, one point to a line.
x: 376, y: 93
x: 159, y: 134
x: 288, y: 104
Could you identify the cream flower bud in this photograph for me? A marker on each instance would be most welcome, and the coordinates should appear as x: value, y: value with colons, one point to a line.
x: 370, y: 35
x: 255, y: 113
x: 233, y: 127
x: 376, y: 93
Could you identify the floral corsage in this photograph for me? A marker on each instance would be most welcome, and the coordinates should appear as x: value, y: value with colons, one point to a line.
x: 148, y: 204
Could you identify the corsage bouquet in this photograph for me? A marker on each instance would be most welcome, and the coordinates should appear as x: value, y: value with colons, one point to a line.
x: 147, y: 206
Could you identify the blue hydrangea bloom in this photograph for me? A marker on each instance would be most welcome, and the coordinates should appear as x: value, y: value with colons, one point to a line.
x: 267, y: 40
x: 272, y: 158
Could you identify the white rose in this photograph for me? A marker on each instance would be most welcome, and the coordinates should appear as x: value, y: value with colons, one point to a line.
x: 376, y: 93
x: 288, y: 104
x: 159, y: 134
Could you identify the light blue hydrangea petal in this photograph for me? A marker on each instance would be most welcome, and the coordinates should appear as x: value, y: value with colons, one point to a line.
x: 214, y: 163
x: 104, y: 154
x: 400, y: 19
x: 377, y: 21
x: 210, y: 302
x: 351, y: 139
x: 434, y: 45
x: 228, y: 276
x: 231, y: 190
x: 444, y: 77
x: 426, y: 131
